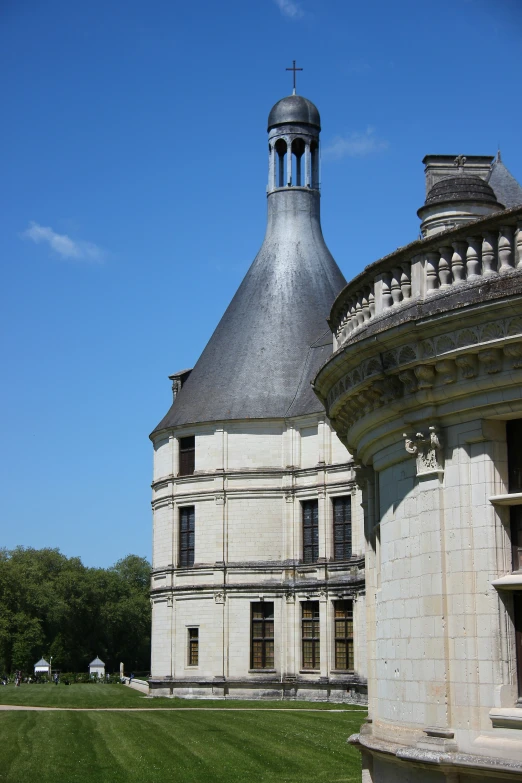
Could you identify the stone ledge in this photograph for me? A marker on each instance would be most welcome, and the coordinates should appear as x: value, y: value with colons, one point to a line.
x: 510, y: 770
x: 509, y: 582
x: 506, y: 717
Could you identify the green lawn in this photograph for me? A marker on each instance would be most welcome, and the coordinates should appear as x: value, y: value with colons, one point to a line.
x: 87, y: 695
x: 179, y: 747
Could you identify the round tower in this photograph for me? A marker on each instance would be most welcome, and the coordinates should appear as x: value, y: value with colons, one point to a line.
x: 257, y: 566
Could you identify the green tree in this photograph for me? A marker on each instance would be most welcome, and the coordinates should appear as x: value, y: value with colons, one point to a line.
x: 54, y: 605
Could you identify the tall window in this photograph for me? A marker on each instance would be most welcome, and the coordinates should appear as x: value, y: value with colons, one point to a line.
x: 514, y: 448
x: 343, y: 619
x: 187, y: 455
x: 310, y: 531
x: 342, y: 528
x: 310, y: 634
x: 517, y: 605
x: 262, y: 635
x: 193, y: 646
x: 186, y: 536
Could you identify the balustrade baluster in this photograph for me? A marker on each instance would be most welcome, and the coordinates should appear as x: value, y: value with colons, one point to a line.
x: 505, y: 249
x: 519, y: 246
x: 473, y: 257
x: 371, y: 301
x: 445, y: 266
x: 431, y: 268
x: 358, y: 309
x: 365, y: 305
x: 396, y: 286
x: 488, y: 254
x: 353, y: 314
x: 405, y: 277
x: 457, y: 262
x: 387, y: 300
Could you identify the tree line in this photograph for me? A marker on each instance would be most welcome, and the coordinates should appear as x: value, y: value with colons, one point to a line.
x: 53, y: 605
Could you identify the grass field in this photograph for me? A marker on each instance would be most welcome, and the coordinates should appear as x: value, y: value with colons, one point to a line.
x: 85, y: 695
x: 181, y: 747
x: 253, y: 745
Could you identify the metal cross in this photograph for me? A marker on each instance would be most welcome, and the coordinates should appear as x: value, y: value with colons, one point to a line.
x: 294, y: 69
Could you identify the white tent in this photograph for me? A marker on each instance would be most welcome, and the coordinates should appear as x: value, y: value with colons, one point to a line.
x: 97, y: 667
x: 42, y: 667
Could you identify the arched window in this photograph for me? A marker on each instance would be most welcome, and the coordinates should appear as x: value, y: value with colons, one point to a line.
x: 281, y: 149
x: 298, y: 148
x: 314, y: 152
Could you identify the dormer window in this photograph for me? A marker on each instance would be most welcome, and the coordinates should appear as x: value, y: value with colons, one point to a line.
x: 187, y: 455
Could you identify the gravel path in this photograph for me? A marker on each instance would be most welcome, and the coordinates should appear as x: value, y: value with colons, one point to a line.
x: 6, y: 707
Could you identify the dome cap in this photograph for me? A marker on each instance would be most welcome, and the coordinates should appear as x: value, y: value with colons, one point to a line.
x: 462, y: 187
x: 294, y: 108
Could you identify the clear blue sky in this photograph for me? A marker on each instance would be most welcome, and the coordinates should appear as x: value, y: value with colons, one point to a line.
x: 133, y: 160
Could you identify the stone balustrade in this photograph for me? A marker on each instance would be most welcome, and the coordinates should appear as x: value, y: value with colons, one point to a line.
x: 429, y: 267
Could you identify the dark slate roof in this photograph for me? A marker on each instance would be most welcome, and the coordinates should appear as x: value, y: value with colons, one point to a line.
x: 274, y: 336
x: 294, y: 108
x: 507, y: 189
x: 462, y: 187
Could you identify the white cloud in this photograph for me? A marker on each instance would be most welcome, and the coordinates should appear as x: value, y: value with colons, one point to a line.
x: 355, y: 145
x: 290, y: 8
x: 62, y: 244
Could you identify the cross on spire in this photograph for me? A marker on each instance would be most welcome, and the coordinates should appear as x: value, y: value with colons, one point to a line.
x: 294, y: 69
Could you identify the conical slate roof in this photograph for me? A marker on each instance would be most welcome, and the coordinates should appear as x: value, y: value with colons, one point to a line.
x: 97, y: 662
x: 273, y: 336
x: 42, y: 662
x: 508, y: 191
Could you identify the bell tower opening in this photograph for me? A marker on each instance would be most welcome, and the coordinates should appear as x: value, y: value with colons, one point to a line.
x: 293, y: 127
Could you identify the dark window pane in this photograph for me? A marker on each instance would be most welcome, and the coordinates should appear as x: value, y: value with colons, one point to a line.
x: 187, y: 455
x: 310, y: 525
x: 186, y: 536
x: 342, y: 532
x: 193, y: 634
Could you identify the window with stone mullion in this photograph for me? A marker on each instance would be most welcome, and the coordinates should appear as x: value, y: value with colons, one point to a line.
x: 262, y: 635
x: 310, y: 511
x: 343, y: 632
x: 311, y: 641
x: 342, y: 524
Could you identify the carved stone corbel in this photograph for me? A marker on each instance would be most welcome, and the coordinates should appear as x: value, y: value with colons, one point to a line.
x: 219, y: 597
x: 514, y: 351
x: 447, y: 371
x: 425, y: 374
x: 468, y: 365
x: 491, y: 358
x: 427, y: 449
x: 362, y: 474
x: 407, y: 377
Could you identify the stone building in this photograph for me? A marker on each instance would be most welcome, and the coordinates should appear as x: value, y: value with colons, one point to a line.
x: 258, y: 552
x: 425, y: 390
